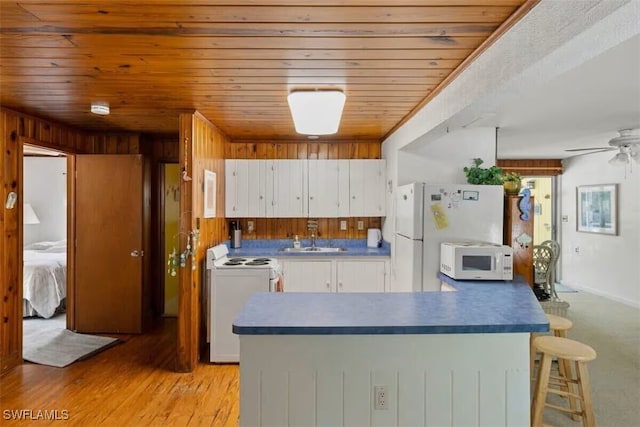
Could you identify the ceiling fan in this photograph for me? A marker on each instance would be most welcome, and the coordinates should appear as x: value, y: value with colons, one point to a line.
x: 628, y: 144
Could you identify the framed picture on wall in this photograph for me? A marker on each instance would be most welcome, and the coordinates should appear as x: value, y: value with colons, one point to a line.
x: 598, y: 208
x: 209, y: 194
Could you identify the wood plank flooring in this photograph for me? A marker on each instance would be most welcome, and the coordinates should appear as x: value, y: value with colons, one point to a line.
x: 130, y: 384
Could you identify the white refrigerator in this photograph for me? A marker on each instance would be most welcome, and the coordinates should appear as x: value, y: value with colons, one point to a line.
x: 428, y: 214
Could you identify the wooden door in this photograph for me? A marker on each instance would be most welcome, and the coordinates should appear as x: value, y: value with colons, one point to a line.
x: 109, y: 243
x: 518, y: 233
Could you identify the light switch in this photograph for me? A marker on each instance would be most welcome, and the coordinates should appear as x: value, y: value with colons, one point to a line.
x: 360, y: 225
x: 249, y: 226
x: 343, y: 225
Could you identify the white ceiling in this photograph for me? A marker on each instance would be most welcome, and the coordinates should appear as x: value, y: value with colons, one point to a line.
x: 582, y: 108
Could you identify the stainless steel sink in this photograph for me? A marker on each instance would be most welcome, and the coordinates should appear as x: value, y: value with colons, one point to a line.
x: 310, y: 249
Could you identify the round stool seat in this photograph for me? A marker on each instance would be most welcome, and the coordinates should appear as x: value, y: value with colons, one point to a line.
x: 564, y: 348
x: 557, y: 323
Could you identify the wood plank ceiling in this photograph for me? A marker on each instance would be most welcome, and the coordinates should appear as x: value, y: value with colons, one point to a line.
x: 235, y: 60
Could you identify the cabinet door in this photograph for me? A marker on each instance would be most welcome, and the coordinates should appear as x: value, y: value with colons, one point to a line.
x: 289, y: 194
x: 356, y: 187
x: 343, y: 188
x: 236, y: 188
x: 323, y: 182
x: 361, y: 276
x: 257, y: 185
x: 308, y: 276
x: 374, y: 186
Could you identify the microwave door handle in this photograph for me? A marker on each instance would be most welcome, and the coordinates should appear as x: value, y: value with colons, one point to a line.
x: 497, y: 266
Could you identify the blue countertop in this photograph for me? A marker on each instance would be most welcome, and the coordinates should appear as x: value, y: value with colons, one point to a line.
x: 271, y: 247
x: 476, y: 307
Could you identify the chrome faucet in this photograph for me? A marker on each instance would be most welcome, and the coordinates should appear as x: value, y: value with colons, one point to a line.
x: 312, y: 226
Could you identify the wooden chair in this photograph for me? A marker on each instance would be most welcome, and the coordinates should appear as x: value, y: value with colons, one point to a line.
x: 571, y: 351
x: 542, y: 258
x: 555, y: 248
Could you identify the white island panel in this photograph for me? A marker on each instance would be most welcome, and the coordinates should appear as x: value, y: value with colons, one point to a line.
x: 431, y: 380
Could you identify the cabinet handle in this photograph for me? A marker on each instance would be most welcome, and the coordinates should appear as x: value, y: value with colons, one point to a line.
x: 298, y: 198
x: 353, y: 197
x: 328, y: 285
x: 340, y: 284
x: 310, y: 197
x: 261, y: 197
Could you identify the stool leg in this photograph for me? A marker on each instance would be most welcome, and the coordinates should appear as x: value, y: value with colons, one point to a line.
x: 540, y: 393
x: 564, y: 367
x: 584, y: 388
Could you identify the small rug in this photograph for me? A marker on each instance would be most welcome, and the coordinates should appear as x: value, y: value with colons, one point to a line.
x: 47, y: 342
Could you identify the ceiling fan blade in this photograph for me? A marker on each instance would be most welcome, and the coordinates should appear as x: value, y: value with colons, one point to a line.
x: 593, y: 149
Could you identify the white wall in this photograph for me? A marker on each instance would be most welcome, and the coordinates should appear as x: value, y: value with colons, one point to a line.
x: 602, y: 264
x: 45, y: 187
x: 438, y: 160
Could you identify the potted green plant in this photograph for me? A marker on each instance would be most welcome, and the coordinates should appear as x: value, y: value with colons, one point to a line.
x: 512, y: 182
x: 478, y: 175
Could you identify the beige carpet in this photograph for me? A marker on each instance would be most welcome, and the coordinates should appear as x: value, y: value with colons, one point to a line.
x: 48, y: 342
x: 613, y: 330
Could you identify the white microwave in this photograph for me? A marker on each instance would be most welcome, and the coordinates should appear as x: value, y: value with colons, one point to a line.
x: 476, y: 261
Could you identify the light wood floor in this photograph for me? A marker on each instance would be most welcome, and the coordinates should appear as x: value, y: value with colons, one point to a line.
x: 130, y: 384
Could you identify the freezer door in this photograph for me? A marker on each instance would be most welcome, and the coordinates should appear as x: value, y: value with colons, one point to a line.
x: 456, y: 213
x: 407, y: 260
x: 409, y: 207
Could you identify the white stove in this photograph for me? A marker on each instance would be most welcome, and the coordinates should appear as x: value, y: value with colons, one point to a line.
x: 231, y: 282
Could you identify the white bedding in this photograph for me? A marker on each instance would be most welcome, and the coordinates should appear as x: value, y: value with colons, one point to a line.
x: 44, y: 278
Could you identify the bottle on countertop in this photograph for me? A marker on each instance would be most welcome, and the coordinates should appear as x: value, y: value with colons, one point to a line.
x: 296, y: 242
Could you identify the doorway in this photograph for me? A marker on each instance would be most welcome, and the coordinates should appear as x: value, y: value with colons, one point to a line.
x: 44, y: 241
x: 544, y: 210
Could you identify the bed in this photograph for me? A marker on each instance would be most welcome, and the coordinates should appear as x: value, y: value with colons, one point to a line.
x: 44, y: 278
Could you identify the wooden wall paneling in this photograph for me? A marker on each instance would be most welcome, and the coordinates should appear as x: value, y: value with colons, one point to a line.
x: 202, y: 146
x: 532, y: 167
x: 11, y: 245
x: 187, y: 340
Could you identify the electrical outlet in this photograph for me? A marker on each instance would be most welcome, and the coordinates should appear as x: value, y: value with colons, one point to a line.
x: 380, y: 397
x: 249, y: 226
x: 360, y: 225
x: 343, y: 225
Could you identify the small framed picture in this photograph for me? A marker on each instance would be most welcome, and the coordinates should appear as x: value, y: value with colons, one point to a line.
x: 470, y: 195
x: 209, y: 194
x: 597, y: 208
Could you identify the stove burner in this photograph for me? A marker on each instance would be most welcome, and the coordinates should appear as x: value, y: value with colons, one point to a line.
x: 231, y: 262
x: 262, y: 259
x: 258, y: 261
x: 237, y: 259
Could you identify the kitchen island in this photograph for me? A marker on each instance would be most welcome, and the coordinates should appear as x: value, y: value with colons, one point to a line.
x: 441, y: 358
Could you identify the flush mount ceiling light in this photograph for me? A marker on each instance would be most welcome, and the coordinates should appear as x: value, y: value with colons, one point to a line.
x: 101, y: 108
x: 316, y: 112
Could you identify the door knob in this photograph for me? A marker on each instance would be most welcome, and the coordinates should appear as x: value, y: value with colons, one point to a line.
x: 135, y: 253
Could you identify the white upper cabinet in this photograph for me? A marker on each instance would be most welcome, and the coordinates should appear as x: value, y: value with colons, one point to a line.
x: 257, y: 194
x: 236, y: 188
x: 328, y: 188
x: 286, y: 188
x: 301, y: 188
x: 366, y: 185
x: 245, y: 188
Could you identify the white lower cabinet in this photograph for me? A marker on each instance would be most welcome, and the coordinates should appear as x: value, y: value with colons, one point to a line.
x: 361, y: 276
x: 335, y: 274
x: 308, y: 276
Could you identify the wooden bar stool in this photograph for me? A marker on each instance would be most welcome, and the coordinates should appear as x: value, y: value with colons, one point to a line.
x: 571, y: 351
x: 559, y: 326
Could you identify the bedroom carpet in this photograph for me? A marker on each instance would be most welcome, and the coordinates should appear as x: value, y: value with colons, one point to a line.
x: 47, y: 342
